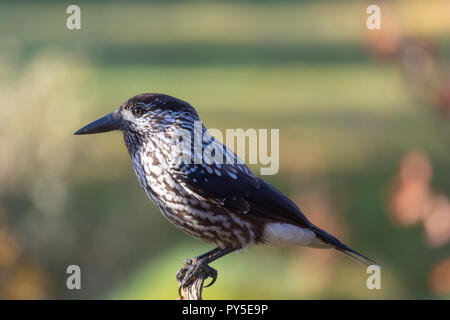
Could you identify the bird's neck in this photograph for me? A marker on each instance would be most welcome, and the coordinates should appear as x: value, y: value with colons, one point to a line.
x: 165, y: 151
x: 159, y: 153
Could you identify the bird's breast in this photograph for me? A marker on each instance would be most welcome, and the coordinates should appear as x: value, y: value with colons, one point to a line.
x: 197, y: 217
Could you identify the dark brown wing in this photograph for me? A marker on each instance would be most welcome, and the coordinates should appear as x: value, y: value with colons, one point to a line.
x: 235, y: 188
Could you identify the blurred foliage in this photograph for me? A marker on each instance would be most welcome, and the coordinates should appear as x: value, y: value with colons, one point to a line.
x: 346, y: 122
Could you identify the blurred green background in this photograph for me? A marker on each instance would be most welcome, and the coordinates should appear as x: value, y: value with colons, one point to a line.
x: 364, y: 142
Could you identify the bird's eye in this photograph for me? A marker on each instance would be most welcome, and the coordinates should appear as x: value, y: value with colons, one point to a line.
x: 138, y: 111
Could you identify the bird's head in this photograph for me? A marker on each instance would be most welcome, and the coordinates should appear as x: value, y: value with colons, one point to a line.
x: 144, y: 117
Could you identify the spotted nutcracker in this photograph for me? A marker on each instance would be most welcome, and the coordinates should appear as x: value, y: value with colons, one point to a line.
x: 218, y: 200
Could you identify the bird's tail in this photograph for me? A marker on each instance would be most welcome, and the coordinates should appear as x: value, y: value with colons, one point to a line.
x: 338, y: 245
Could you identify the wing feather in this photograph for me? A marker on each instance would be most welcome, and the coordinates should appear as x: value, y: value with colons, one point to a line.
x: 237, y: 189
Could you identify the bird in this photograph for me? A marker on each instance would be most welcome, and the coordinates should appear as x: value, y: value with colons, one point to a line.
x: 202, y: 187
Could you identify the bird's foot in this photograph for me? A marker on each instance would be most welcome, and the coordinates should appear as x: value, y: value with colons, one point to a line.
x: 194, y: 269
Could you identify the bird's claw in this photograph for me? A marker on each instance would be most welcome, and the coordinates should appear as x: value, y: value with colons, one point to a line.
x: 194, y: 269
x: 213, y: 274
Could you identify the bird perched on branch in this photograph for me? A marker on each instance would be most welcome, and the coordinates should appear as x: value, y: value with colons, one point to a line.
x: 203, y: 187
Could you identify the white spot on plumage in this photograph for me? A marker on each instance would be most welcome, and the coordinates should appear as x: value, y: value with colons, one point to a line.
x: 217, y: 218
x: 284, y: 234
x: 232, y: 175
x: 157, y: 170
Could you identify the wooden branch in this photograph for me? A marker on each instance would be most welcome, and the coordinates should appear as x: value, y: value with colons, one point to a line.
x: 192, y: 292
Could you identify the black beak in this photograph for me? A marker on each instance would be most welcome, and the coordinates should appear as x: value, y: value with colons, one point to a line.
x: 110, y: 122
